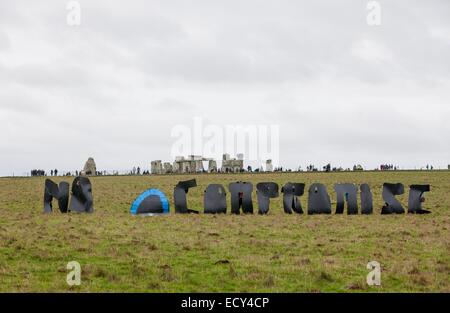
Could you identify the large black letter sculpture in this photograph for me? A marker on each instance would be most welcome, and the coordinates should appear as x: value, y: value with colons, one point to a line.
x: 392, y: 205
x: 60, y: 193
x: 290, y: 198
x: 215, y: 199
x: 265, y: 191
x: 366, y: 199
x: 241, y: 196
x: 346, y: 193
x: 82, y: 200
x: 319, y: 201
x: 416, y: 199
x: 179, y: 195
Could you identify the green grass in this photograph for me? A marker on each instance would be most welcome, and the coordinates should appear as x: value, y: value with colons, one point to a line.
x: 205, y: 253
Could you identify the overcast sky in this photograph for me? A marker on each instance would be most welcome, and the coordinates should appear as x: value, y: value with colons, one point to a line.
x: 114, y: 87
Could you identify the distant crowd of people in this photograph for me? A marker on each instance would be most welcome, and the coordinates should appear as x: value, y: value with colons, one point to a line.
x: 44, y: 173
x: 55, y: 172
x: 388, y: 167
x: 137, y: 171
x: 311, y: 168
x: 329, y: 168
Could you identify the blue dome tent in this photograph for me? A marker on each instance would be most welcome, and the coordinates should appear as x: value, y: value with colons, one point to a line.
x: 150, y: 202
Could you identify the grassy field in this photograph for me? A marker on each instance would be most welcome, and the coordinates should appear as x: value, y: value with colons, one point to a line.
x: 205, y: 253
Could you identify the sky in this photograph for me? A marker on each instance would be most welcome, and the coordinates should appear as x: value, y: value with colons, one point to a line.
x: 115, y: 86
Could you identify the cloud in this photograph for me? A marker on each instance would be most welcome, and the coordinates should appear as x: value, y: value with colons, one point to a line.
x: 114, y: 87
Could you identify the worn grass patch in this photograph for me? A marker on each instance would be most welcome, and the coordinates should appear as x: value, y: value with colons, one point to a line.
x: 204, y: 253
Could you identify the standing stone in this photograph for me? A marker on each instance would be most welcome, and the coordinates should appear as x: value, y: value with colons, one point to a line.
x: 176, y: 167
x: 230, y: 165
x: 168, y: 168
x: 90, y: 169
x: 156, y: 167
x: 191, y: 164
x: 269, y: 166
